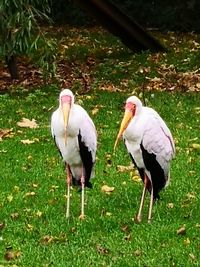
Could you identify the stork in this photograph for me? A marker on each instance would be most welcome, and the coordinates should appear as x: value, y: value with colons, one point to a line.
x: 150, y: 144
x: 76, y: 139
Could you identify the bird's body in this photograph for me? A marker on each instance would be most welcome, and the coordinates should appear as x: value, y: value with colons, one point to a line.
x: 76, y: 140
x: 149, y: 142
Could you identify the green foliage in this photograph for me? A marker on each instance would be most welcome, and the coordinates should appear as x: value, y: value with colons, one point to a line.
x: 20, y: 32
x: 19, y: 29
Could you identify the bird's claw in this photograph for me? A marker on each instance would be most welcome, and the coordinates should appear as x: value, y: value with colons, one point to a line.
x: 138, y: 219
x: 82, y: 217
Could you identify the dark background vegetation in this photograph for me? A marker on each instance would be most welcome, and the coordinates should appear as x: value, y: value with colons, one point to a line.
x: 181, y: 15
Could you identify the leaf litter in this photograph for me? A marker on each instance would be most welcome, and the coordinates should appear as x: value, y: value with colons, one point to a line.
x: 27, y: 123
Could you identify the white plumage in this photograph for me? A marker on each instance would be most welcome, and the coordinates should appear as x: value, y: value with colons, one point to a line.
x: 75, y: 137
x: 151, y: 146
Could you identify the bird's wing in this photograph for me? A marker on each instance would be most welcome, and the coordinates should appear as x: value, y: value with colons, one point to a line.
x: 157, y: 140
x: 54, y: 126
x: 88, y: 135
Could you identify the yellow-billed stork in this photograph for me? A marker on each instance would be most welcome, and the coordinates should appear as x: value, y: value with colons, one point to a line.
x: 150, y: 144
x: 75, y: 136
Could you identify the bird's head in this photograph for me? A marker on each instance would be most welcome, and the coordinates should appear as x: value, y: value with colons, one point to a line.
x: 66, y: 100
x: 132, y: 107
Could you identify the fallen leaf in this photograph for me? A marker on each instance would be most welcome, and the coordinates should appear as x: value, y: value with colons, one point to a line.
x: 186, y: 241
x: 191, y: 196
x: 27, y: 123
x: 14, y: 215
x: 6, y: 133
x: 27, y: 142
x: 127, y: 237
x: 29, y: 227
x: 16, y: 189
x: 125, y: 228
x: 170, y: 205
x: 181, y: 230
x: 2, y: 225
x: 107, y: 189
x: 136, y: 178
x: 38, y: 214
x: 46, y: 239
x: 10, y: 198
x: 192, y: 256
x: 195, y: 146
x: 95, y: 111
x: 101, y: 249
x: 137, y: 252
x: 121, y: 168
x: 30, y: 194
x: 12, y: 255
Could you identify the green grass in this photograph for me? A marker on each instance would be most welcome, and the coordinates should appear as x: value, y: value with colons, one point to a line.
x: 35, y: 224
x: 33, y: 187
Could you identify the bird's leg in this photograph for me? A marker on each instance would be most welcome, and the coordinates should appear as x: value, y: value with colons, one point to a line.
x: 150, y: 205
x: 139, y: 215
x: 82, y: 216
x: 68, y: 180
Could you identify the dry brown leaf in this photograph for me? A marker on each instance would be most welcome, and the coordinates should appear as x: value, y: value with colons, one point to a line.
x: 2, y: 225
x: 136, y: 178
x: 10, y: 198
x: 121, y: 168
x: 186, y: 241
x: 101, y: 249
x: 127, y: 237
x: 38, y: 214
x: 46, y: 239
x: 95, y: 111
x: 107, y: 189
x: 29, y: 227
x: 12, y: 255
x: 191, y: 196
x: 14, y: 215
x: 170, y: 205
x: 27, y: 123
x: 192, y: 256
x: 138, y: 252
x: 27, y: 142
x: 181, y: 230
x: 30, y: 194
x: 195, y: 146
x: 6, y: 133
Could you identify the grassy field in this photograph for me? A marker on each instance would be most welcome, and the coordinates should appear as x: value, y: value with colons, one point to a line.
x: 33, y: 228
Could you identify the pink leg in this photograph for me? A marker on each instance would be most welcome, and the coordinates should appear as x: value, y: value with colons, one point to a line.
x: 82, y: 216
x: 68, y: 180
x: 139, y: 215
x: 150, y: 205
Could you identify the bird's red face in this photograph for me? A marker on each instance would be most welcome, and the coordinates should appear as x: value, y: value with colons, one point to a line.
x: 130, y: 109
x: 66, y: 105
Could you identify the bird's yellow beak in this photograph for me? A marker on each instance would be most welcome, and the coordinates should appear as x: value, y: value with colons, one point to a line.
x: 128, y: 115
x: 66, y: 110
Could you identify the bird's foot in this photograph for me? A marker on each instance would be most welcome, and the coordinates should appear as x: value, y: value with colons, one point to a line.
x: 149, y: 220
x: 82, y: 217
x: 67, y: 216
x: 138, y: 218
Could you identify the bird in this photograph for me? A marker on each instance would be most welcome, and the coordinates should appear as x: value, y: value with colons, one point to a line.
x: 150, y: 144
x: 75, y: 136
